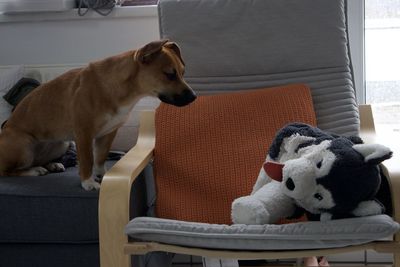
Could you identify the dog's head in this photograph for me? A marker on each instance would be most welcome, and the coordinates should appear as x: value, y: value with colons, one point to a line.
x: 160, y: 73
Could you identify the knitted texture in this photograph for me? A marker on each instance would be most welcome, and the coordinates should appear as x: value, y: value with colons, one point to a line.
x: 210, y: 152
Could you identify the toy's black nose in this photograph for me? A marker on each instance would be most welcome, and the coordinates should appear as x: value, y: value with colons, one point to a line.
x: 290, y: 184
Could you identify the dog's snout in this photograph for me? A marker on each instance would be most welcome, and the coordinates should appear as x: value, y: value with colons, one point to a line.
x: 186, y: 97
x: 290, y: 184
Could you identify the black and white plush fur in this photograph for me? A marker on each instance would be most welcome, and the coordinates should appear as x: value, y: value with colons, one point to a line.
x: 323, y: 174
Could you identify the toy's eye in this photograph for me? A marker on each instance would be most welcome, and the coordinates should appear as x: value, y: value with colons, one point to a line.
x: 319, y: 164
x: 318, y: 196
x: 171, y: 75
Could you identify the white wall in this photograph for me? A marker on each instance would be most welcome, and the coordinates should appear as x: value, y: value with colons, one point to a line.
x: 64, y: 38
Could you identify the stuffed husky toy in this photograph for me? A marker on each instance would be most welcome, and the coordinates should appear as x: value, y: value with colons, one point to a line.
x: 310, y: 171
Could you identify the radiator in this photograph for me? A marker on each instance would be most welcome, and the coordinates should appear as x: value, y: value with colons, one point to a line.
x: 44, y: 73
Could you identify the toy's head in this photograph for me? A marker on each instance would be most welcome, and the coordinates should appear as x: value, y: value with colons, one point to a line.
x: 328, y: 174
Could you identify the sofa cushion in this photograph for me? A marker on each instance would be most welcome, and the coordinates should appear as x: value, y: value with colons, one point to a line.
x: 8, y: 78
x: 302, y: 235
x: 49, y: 255
x: 48, y: 209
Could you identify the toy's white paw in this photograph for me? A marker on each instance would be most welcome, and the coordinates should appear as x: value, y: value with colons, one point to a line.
x: 90, y: 184
x: 368, y: 208
x: 247, y: 210
x: 325, y: 216
x: 55, y: 167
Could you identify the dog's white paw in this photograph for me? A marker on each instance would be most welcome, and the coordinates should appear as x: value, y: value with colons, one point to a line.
x: 55, y: 167
x: 99, y: 172
x: 90, y: 184
x: 247, y: 210
x: 35, y: 171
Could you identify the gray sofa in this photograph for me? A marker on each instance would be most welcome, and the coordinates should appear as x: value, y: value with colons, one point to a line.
x: 48, y: 221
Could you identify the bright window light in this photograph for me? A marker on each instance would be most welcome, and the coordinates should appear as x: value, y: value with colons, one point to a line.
x: 382, y: 61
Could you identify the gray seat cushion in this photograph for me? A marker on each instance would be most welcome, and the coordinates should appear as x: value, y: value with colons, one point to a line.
x: 48, y: 209
x: 303, y: 235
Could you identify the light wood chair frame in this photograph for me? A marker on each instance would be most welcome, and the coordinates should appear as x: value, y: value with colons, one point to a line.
x: 115, y: 250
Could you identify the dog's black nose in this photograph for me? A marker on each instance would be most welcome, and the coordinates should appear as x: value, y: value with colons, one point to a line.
x: 184, y: 98
x: 290, y: 184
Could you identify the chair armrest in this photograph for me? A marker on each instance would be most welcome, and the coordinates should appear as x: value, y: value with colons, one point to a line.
x: 391, y: 167
x: 115, y: 195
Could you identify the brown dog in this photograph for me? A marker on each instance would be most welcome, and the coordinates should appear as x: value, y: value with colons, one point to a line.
x: 88, y: 105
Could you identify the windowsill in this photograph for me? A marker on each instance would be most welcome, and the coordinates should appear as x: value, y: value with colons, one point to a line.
x: 393, y: 129
x: 118, y: 12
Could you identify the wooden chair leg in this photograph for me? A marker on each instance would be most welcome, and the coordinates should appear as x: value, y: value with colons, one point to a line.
x: 396, y: 259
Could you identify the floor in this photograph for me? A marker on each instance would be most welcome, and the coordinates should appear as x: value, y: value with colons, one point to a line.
x: 286, y: 264
x: 352, y: 259
x: 292, y: 265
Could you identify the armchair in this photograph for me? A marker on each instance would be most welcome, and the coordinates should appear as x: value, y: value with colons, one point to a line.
x: 235, y: 46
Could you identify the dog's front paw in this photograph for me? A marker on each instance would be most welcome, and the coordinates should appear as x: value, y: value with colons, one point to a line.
x: 35, y: 171
x: 90, y: 184
x: 247, y: 210
x: 55, y: 167
x: 99, y: 172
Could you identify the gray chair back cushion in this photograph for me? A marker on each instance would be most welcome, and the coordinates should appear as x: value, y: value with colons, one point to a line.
x: 245, y: 44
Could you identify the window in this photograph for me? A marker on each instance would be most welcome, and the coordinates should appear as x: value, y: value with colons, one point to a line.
x: 382, y: 57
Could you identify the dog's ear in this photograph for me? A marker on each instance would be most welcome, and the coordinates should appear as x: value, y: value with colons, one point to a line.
x: 174, y: 47
x: 149, y: 51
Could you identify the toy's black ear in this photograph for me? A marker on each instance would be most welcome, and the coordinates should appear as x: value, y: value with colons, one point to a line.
x: 302, y: 130
x: 373, y: 153
x: 355, y: 139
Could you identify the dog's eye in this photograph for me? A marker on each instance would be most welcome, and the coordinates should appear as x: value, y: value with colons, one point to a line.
x: 318, y: 196
x: 319, y: 164
x: 171, y: 75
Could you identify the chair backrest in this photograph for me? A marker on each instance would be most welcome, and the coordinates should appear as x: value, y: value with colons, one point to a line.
x: 243, y: 44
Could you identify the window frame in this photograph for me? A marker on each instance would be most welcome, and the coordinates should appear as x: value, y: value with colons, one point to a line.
x: 355, y: 20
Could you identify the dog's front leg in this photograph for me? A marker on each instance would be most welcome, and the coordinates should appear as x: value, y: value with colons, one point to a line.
x: 102, y: 146
x: 84, y: 149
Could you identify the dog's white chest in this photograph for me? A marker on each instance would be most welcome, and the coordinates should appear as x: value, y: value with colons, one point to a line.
x: 114, y: 121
